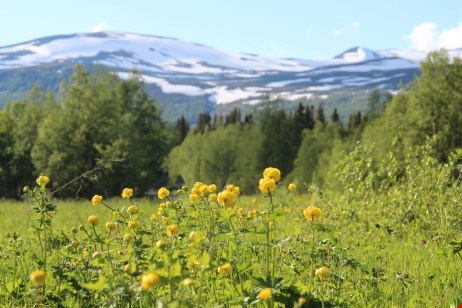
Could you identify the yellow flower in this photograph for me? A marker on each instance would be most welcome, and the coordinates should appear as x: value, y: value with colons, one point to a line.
x: 127, y: 193
x: 252, y: 213
x: 212, y: 197
x: 240, y: 211
x: 193, y: 198
x: 287, y: 209
x: 42, y: 180
x: 212, y: 188
x: 271, y: 225
x: 96, y: 199
x: 38, y: 276
x: 163, y: 193
x: 322, y: 273
x: 132, y: 224
x: 254, y: 201
x: 116, y: 214
x: 150, y: 280
x: 128, y: 238
x: 93, y: 220
x: 165, y: 220
x: 225, y: 269
x: 264, y: 294
x: 267, y: 185
x: 153, y: 217
x: 203, y: 189
x: 133, y: 210
x: 230, y: 188
x: 272, y: 173
x: 292, y: 186
x: 226, y: 199
x: 312, y: 212
x: 237, y: 190
x: 172, y: 230
x: 86, y: 253
x: 111, y: 226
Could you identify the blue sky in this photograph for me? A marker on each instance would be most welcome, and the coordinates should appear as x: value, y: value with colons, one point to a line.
x: 290, y: 28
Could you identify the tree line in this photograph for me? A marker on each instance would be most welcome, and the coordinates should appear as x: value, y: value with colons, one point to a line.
x: 98, y: 119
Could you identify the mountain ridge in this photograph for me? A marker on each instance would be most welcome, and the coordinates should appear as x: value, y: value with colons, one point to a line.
x: 176, y: 71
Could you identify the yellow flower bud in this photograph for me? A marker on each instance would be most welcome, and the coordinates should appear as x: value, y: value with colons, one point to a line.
x: 212, y: 197
x: 150, y: 280
x: 292, y: 186
x: 312, y: 213
x: 153, y: 217
x: 267, y: 185
x: 212, y: 188
x: 38, y: 277
x: 132, y: 224
x: 226, y: 199
x: 322, y: 273
x: 163, y: 193
x: 42, y: 180
x: 225, y: 269
x: 193, y: 198
x: 172, y: 230
x: 93, y: 220
x: 96, y: 199
x: 264, y: 294
x: 133, y: 210
x: 127, y: 193
x: 272, y: 173
x: 111, y: 226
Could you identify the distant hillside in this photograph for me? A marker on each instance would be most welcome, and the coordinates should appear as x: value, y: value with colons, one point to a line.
x: 188, y: 78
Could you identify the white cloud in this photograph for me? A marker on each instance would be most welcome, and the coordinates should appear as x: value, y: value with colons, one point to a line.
x: 100, y: 27
x: 353, y: 27
x: 451, y: 38
x: 425, y: 37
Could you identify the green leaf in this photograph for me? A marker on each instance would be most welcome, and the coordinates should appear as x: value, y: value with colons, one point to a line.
x: 96, y: 286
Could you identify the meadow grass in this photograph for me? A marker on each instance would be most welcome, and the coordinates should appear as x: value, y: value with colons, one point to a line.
x: 370, y: 264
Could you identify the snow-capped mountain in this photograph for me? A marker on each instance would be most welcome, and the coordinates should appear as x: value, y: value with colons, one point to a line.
x: 183, y: 70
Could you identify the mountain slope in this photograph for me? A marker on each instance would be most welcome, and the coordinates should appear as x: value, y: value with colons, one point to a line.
x: 179, y: 73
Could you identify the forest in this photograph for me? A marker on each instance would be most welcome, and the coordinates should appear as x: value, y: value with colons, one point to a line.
x: 100, y: 133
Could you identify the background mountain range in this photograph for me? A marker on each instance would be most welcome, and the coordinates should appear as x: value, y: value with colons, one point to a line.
x: 188, y: 78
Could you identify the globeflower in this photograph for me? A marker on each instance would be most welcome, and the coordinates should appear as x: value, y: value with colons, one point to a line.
x: 312, y: 213
x: 93, y: 220
x: 111, y: 226
x: 212, y: 197
x: 267, y: 185
x: 133, y: 210
x: 212, y: 188
x: 163, y: 193
x: 193, y: 198
x: 132, y: 224
x: 264, y: 294
x: 226, y: 199
x: 127, y: 193
x: 150, y: 280
x: 225, y: 270
x: 322, y: 273
x: 96, y: 199
x: 37, y: 277
x: 272, y: 173
x: 42, y: 180
x: 172, y: 230
x: 292, y: 186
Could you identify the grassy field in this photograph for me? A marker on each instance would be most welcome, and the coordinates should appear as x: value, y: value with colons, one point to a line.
x: 207, y: 252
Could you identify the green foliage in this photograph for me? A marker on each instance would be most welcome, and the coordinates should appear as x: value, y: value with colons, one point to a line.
x: 93, y: 120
